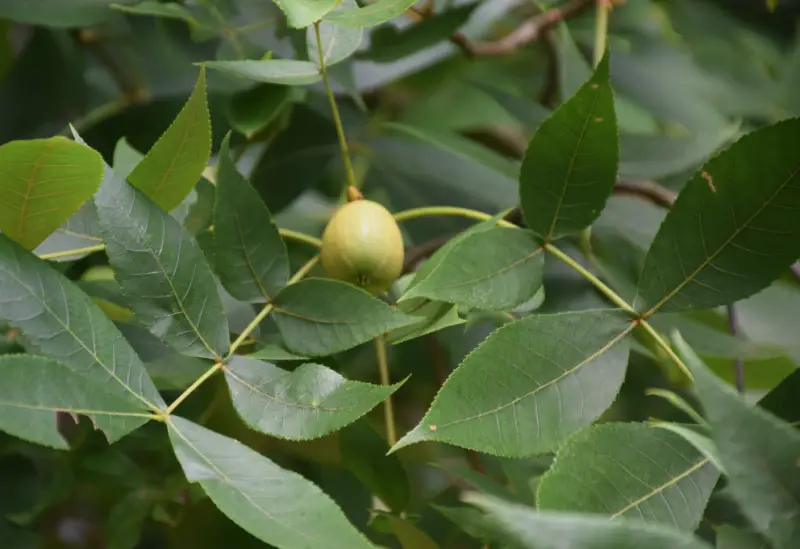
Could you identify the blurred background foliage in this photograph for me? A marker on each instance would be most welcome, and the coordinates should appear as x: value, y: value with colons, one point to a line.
x: 429, y: 124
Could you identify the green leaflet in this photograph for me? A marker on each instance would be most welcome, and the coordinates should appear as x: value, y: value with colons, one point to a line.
x: 629, y: 470
x: 60, y: 321
x: 35, y: 388
x: 289, y: 72
x: 306, y: 403
x: 172, y: 167
x: 44, y: 182
x: 530, y: 384
x: 733, y: 229
x: 249, y: 253
x: 570, y: 165
x: 369, y: 16
x: 277, y: 506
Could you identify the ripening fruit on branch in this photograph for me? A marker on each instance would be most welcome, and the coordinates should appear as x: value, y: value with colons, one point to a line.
x: 362, y: 245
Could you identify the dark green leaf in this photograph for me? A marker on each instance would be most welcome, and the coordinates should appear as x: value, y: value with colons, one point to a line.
x: 126, y: 520
x: 729, y: 537
x: 59, y: 13
x: 60, y: 321
x: 249, y: 253
x: 530, y: 384
x: 35, y: 388
x: 370, y: 16
x: 43, y: 183
x: 363, y: 453
x: 570, y: 165
x: 253, y: 110
x: 157, y: 262
x: 432, y: 317
x: 319, y: 317
x: 289, y: 72
x: 173, y: 165
x: 733, y: 229
x: 338, y: 42
x: 759, y: 453
x: 528, y: 112
x: 307, y: 403
x: 782, y: 400
x: 530, y: 529
x: 277, y: 506
x: 496, y: 269
x: 168, y: 10
x: 629, y: 470
x: 409, y: 534
x: 274, y: 352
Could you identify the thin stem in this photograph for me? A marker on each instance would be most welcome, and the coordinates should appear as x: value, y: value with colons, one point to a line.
x: 301, y: 272
x: 301, y: 237
x: 455, y: 211
x: 193, y: 387
x: 601, y: 30
x: 664, y: 344
x: 608, y: 292
x: 383, y: 368
x: 76, y: 251
x: 348, y: 167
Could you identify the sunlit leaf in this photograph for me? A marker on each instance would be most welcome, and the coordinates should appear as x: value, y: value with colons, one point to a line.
x: 277, y: 506
x: 530, y: 384
x: 44, y: 182
x: 570, y: 165
x: 306, y: 403
x: 249, y: 253
x: 320, y: 317
x: 630, y: 470
x: 733, y: 229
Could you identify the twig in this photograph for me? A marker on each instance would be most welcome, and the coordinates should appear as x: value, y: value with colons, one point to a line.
x: 131, y: 91
x: 649, y: 190
x: 383, y: 370
x: 733, y: 322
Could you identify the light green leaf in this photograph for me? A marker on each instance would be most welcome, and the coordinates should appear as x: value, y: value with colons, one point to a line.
x: 43, y: 182
x: 277, y: 506
x: 432, y: 317
x: 529, y: 529
x: 630, y: 470
x: 733, y: 229
x: 570, y: 166
x: 60, y: 321
x: 496, y: 269
x: 175, y: 163
x: 251, y: 111
x: 302, y: 13
x: 697, y: 437
x: 249, y: 253
x: 158, y: 263
x: 338, y: 43
x: 35, y: 388
x: 371, y: 15
x: 304, y: 404
x: 319, y: 317
x: 126, y: 158
x: 59, y: 13
x: 759, y: 453
x: 289, y: 72
x: 530, y: 384
x: 274, y: 352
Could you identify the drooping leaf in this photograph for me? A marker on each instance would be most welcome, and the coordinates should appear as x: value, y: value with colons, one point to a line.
x: 759, y: 453
x: 319, y: 317
x: 570, y: 165
x: 338, y: 42
x: 157, y: 262
x: 249, y: 253
x: 277, y: 506
x: 306, y: 403
x: 363, y: 453
x: 43, y: 182
x: 369, y: 16
x: 635, y: 471
x: 496, y: 269
x: 431, y: 317
x: 172, y: 167
x: 253, y: 110
x: 35, y: 388
x: 528, y: 529
x: 59, y: 13
x: 60, y: 321
x: 733, y: 229
x: 289, y: 72
x: 530, y: 384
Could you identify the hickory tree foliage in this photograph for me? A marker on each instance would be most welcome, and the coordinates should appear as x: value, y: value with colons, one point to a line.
x: 593, y: 343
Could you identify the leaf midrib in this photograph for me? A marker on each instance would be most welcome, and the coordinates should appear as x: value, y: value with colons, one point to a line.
x: 30, y: 184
